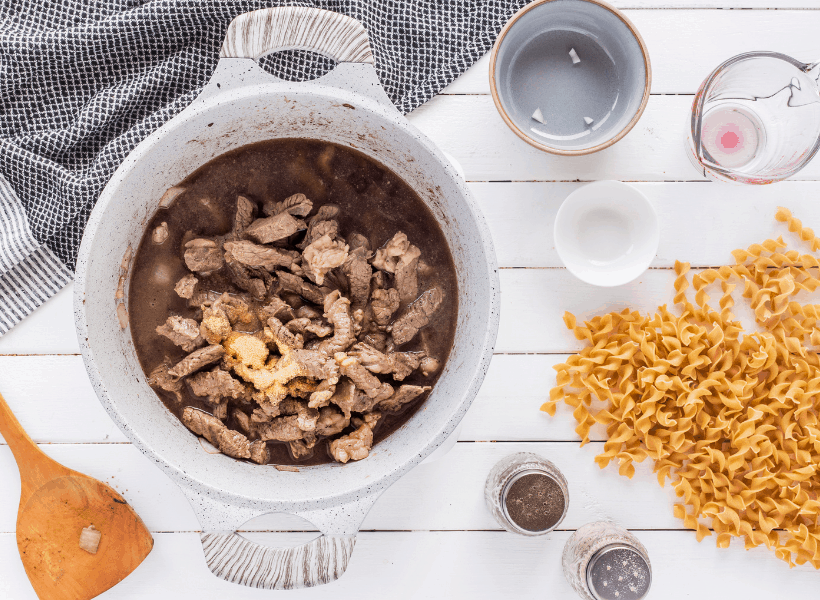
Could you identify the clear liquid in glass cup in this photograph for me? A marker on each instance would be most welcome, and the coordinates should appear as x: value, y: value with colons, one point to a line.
x: 756, y: 119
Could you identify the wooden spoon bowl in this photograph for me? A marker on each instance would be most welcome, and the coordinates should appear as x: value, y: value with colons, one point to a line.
x: 56, y: 504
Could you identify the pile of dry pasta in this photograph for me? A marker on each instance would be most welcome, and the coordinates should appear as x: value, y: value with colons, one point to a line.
x: 730, y: 418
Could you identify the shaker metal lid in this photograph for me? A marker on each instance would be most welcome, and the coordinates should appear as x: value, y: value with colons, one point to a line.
x: 618, y: 572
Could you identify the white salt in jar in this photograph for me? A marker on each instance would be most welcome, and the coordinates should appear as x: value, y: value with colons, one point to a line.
x: 605, y: 562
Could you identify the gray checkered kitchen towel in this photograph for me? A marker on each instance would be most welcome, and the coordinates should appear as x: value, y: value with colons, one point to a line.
x: 82, y: 82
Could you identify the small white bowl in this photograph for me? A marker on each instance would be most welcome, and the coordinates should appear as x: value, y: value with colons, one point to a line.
x: 606, y: 233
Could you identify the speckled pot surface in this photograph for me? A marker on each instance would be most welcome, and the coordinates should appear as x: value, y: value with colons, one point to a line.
x: 242, y: 105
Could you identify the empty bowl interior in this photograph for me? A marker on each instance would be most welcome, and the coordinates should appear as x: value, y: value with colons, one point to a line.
x: 585, y: 101
x: 606, y: 233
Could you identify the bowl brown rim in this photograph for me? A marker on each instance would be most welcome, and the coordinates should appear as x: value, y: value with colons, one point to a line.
x: 627, y: 128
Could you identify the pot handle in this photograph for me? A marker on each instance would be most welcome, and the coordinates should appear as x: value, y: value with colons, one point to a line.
x: 233, y: 558
x: 260, y: 32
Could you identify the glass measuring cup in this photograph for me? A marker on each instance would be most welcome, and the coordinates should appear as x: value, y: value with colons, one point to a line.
x: 755, y: 119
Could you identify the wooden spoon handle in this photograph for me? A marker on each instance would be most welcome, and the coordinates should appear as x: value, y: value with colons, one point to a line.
x: 35, y: 467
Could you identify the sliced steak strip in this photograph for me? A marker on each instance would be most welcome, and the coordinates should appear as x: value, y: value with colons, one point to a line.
x: 362, y: 378
x: 259, y: 452
x: 228, y: 442
x: 331, y: 421
x: 203, y: 256
x: 322, y: 223
x: 281, y: 429
x: 185, y: 286
x: 183, y: 332
x: 297, y: 205
x: 407, y: 326
x: 272, y: 229
x: 289, y: 282
x: 253, y: 255
x: 243, y: 217
x: 403, y: 395
x: 337, y: 312
x: 400, y: 364
x: 384, y: 304
x: 356, y: 445
x: 217, y: 384
x: 358, y: 272
x: 160, y: 378
x: 407, y: 282
x: 196, y: 360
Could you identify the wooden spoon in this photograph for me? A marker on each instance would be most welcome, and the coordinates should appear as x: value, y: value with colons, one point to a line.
x: 56, y: 504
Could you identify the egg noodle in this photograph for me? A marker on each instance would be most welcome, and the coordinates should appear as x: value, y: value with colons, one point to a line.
x: 730, y: 418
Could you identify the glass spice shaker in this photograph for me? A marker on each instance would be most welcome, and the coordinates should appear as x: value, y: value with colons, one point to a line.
x: 605, y: 562
x: 527, y: 494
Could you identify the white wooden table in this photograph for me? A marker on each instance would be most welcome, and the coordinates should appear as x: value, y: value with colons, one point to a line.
x: 430, y: 536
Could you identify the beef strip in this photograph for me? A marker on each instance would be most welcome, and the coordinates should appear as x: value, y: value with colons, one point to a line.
x: 203, y: 256
x: 358, y: 272
x: 304, y: 326
x: 356, y: 445
x: 297, y: 205
x: 307, y: 312
x: 196, y: 360
x: 244, y: 422
x: 387, y: 257
x: 295, y: 284
x: 363, y: 379
x: 284, y: 336
x: 282, y: 429
x: 418, y: 315
x: 183, y: 332
x: 406, y: 275
x: 254, y: 255
x: 331, y: 421
x: 275, y: 228
x: 216, y: 385
x: 259, y: 452
x: 185, y: 286
x: 345, y: 396
x: 245, y: 210
x: 321, y: 256
x: 400, y: 364
x: 276, y: 307
x: 357, y: 240
x: 228, y: 441
x: 403, y: 395
x: 160, y: 378
x: 322, y: 223
x: 337, y: 312
x: 384, y: 303
x: 241, y: 277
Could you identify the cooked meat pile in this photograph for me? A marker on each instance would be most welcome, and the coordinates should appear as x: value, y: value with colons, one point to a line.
x: 311, y: 350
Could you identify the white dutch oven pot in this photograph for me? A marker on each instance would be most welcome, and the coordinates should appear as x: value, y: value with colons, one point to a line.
x: 243, y: 104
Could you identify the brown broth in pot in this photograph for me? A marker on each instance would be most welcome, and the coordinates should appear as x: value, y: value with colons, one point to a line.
x: 373, y: 201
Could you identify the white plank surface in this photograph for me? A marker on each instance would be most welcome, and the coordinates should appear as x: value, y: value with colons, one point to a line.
x: 470, y: 128
x: 429, y: 536
x: 444, y: 495
x: 686, y: 45
x: 701, y: 223
x: 431, y: 565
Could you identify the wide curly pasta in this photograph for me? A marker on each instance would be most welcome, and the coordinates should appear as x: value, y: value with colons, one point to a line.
x: 730, y: 418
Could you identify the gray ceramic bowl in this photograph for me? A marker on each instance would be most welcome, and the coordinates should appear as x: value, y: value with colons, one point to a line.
x: 581, y: 64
